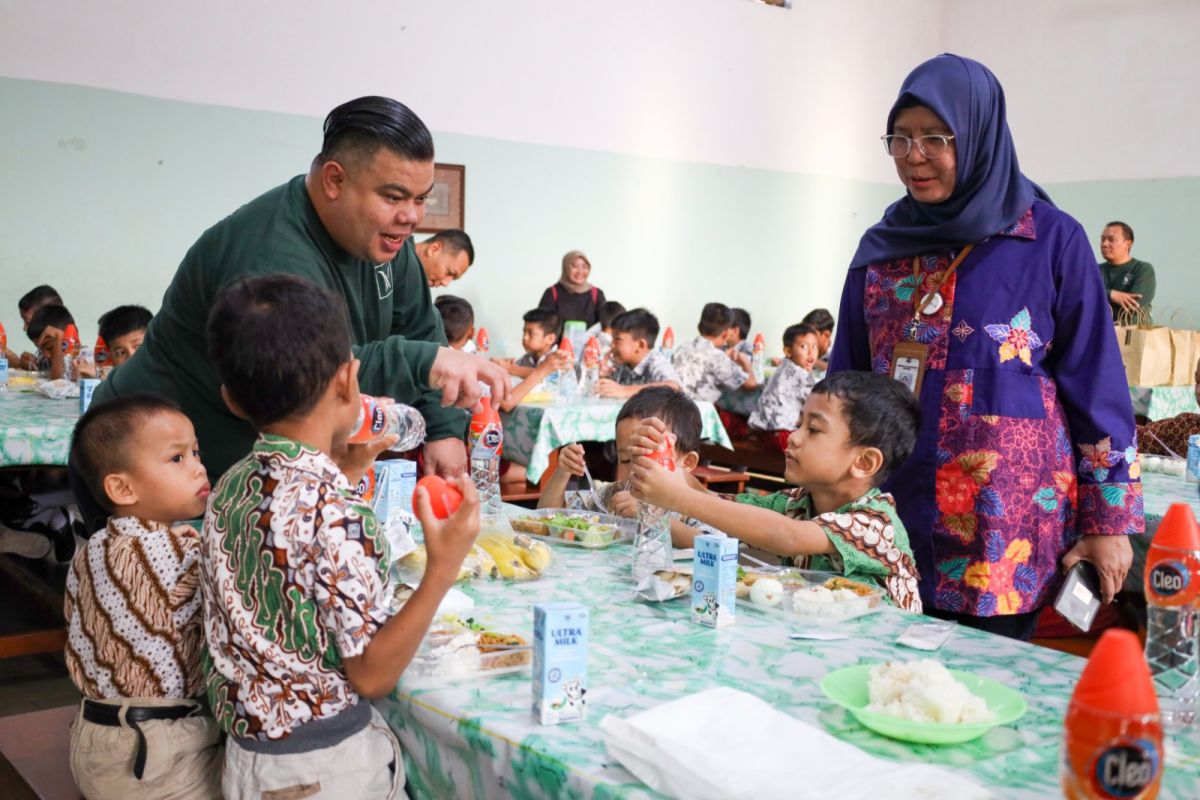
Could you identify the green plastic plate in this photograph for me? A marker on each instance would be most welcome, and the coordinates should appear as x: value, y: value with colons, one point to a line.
x: 848, y: 688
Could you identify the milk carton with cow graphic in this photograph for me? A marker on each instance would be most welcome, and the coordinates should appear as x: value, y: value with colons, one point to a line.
x: 714, y: 580
x: 560, y: 632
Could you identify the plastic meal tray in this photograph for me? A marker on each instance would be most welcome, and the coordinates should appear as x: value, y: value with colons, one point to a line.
x: 609, y: 529
x: 795, y: 580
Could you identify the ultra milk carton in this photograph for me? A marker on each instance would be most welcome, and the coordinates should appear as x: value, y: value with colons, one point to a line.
x: 560, y: 632
x: 714, y: 580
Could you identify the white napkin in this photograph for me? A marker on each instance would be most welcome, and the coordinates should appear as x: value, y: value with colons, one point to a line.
x: 723, y: 743
x: 57, y: 389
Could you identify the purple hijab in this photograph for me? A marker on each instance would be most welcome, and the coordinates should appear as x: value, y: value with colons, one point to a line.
x: 990, y: 193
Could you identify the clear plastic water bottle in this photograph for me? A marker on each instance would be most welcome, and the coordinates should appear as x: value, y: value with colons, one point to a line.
x: 757, y: 355
x: 380, y: 416
x: 668, y: 342
x: 1172, y: 592
x: 652, y: 543
x: 568, y: 381
x: 70, y: 348
x: 591, y: 367
x: 3, y: 360
x: 485, y: 443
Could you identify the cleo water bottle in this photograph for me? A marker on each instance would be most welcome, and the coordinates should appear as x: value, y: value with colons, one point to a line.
x: 1172, y: 589
x: 380, y: 417
x: 482, y: 342
x: 1113, y: 735
x: 591, y: 366
x: 485, y: 441
x: 70, y: 349
x: 568, y: 383
x: 652, y: 542
x: 668, y: 342
x: 756, y: 358
x: 104, y: 361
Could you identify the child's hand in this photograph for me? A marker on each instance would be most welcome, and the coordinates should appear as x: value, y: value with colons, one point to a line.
x: 355, y: 459
x: 623, y: 504
x: 570, y: 459
x: 606, y: 387
x: 447, y: 541
x: 649, y: 436
x: 655, y: 484
x: 741, y: 359
x: 554, y: 362
x: 84, y: 368
x: 775, y: 361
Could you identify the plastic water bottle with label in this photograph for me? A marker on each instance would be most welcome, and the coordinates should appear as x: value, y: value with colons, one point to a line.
x: 380, y: 416
x: 104, y: 360
x: 483, y: 343
x: 568, y: 383
x: 757, y: 357
x: 1192, y: 472
x: 485, y: 443
x: 70, y: 349
x: 1172, y: 610
x: 668, y: 342
x: 652, y: 543
x: 591, y: 367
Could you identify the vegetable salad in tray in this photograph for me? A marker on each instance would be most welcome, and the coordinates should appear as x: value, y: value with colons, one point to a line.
x: 578, y: 528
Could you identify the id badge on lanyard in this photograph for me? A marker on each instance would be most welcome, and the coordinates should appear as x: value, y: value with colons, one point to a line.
x: 909, y: 358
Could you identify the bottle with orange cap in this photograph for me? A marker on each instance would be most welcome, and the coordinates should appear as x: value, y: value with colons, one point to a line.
x: 668, y: 342
x: 591, y: 366
x: 482, y: 342
x: 1113, y: 734
x: 381, y: 416
x: 70, y: 349
x: 652, y: 542
x: 568, y: 383
x: 1172, y: 613
x: 3, y: 360
x: 104, y: 360
x: 757, y: 357
x: 485, y: 443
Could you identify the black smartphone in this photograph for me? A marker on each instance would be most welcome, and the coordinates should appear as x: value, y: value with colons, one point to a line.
x: 1079, y: 598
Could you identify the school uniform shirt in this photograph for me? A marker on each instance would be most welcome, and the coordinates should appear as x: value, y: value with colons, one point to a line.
x: 655, y: 367
x: 867, y: 533
x: 133, y: 612
x: 395, y: 331
x: 294, y: 569
x: 705, y: 371
x: 782, y: 399
x: 531, y: 361
x: 1027, y: 436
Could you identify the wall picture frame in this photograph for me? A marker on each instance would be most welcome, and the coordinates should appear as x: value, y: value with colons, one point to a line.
x: 445, y: 205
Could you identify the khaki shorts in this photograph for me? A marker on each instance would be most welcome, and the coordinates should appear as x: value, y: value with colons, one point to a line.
x: 183, y: 756
x: 364, y: 766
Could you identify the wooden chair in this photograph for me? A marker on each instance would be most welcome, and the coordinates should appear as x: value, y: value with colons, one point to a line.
x: 525, y: 492
x: 721, y: 478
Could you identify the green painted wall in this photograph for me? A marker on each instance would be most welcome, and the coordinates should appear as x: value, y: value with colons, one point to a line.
x: 105, y: 191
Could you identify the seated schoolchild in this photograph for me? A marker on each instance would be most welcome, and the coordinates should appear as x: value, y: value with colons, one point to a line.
x: 133, y: 609
x: 705, y: 369
x: 602, y: 330
x: 856, y: 428
x: 740, y: 338
x: 30, y: 302
x: 779, y: 406
x: 638, y: 362
x: 123, y: 330
x: 46, y: 328
x: 539, y: 338
x: 294, y: 565
x: 679, y: 416
x: 458, y: 320
x: 822, y: 320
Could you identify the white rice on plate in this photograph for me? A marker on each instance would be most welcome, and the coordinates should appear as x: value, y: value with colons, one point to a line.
x: 923, y: 691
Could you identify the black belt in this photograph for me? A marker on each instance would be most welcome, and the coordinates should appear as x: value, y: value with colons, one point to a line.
x: 110, y: 715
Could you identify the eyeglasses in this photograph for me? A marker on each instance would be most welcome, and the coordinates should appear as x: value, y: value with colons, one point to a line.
x: 932, y: 146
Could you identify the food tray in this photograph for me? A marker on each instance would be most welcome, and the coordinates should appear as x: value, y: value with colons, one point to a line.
x: 452, y: 653
x: 818, y: 609
x: 604, y: 529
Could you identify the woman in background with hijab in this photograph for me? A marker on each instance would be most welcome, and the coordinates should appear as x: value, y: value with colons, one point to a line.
x: 573, y: 297
x: 983, y: 297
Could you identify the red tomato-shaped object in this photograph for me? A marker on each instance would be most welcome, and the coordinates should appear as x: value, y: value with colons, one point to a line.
x: 444, y: 499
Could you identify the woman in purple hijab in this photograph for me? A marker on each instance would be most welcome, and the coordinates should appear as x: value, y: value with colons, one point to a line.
x: 984, y: 298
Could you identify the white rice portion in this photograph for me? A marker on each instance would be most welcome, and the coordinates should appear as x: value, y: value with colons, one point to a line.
x: 923, y: 691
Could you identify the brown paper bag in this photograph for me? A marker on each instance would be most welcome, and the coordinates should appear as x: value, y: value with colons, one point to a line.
x: 1145, y: 350
x: 1183, y: 357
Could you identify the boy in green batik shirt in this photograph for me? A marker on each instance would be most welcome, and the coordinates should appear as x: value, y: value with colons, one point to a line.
x: 856, y: 427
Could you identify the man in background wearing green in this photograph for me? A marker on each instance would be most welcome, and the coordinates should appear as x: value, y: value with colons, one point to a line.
x: 1129, y: 282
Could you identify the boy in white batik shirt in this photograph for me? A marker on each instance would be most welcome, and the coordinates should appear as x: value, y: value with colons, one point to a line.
x: 705, y: 370
x: 639, y: 362
x: 782, y: 401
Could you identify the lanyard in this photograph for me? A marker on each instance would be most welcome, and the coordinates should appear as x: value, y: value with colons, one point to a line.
x: 921, y: 302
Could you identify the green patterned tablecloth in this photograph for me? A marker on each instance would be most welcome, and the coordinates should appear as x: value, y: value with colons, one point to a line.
x: 1160, y: 402
x: 34, y: 430
x: 1158, y: 493
x: 478, y: 738
x: 532, y: 431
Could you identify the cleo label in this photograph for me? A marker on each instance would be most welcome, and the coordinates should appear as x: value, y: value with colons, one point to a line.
x: 1125, y: 767
x: 1170, y: 582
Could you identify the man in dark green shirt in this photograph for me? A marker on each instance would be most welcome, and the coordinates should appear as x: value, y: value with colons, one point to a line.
x: 346, y: 226
x: 1129, y: 282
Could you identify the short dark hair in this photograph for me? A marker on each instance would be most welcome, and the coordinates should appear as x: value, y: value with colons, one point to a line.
x: 38, y: 296
x: 104, y: 437
x: 545, y: 319
x: 741, y: 321
x: 673, y: 407
x: 276, y: 341
x: 819, y: 318
x: 715, y: 319
x: 799, y: 329
x: 457, y: 316
x: 49, y: 315
x: 879, y: 411
x: 1128, y: 231
x: 354, y: 131
x: 455, y: 241
x: 609, y: 310
x: 124, y: 320
x: 638, y: 323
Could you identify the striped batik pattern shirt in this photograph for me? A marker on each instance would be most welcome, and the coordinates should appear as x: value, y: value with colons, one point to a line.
x: 134, y: 612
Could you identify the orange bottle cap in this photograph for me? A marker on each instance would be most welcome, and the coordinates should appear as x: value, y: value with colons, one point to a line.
x: 1116, y: 679
x: 1178, y: 529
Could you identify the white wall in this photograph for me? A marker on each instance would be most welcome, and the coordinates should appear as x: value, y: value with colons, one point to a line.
x: 718, y: 81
